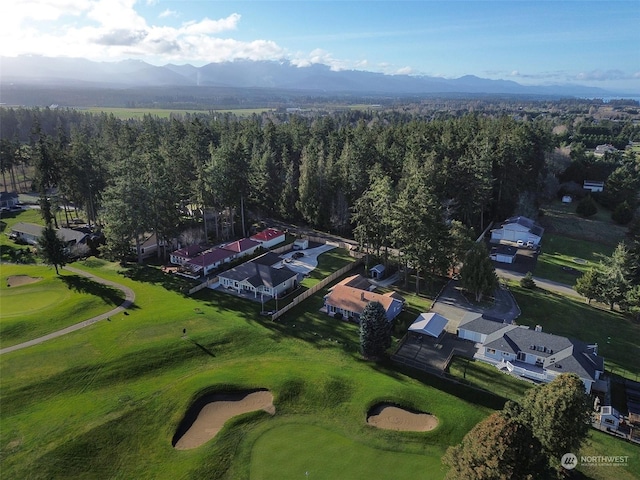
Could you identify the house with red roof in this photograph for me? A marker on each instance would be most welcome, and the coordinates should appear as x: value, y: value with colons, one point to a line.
x: 269, y: 237
x: 242, y: 248
x: 183, y: 255
x: 350, y: 296
x: 209, y: 261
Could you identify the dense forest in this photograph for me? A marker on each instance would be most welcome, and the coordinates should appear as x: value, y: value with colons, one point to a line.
x: 390, y: 179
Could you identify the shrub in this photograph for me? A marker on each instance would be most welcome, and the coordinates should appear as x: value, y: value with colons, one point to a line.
x: 622, y: 214
x: 527, y: 281
x: 587, y: 207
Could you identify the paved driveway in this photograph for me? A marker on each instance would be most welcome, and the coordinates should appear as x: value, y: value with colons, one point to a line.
x: 307, y: 263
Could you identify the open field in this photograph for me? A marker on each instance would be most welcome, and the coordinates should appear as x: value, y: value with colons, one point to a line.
x: 138, y: 113
x: 563, y: 259
x: 616, y: 335
x: 561, y: 219
x: 104, y: 398
x: 54, y: 302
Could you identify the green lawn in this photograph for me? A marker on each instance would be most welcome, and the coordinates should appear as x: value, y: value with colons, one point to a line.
x: 561, y: 219
x: 559, y: 251
x: 487, y: 377
x: 105, y: 401
x: 616, y: 335
x: 53, y: 302
x: 328, y: 262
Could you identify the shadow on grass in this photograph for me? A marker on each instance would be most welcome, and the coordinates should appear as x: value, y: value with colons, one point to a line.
x: 149, y: 361
x: 109, y: 295
x: 155, y: 276
x: 16, y: 254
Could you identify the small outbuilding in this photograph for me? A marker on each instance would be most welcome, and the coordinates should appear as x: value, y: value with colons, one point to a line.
x: 301, y: 244
x: 609, y: 417
x: 503, y: 254
x: 431, y: 324
x: 377, y: 271
x: 567, y: 199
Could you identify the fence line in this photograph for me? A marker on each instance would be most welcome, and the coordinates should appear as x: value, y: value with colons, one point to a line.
x: 199, y: 287
x: 315, y: 288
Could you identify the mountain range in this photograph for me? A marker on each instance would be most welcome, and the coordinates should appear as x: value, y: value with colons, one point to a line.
x: 77, y: 72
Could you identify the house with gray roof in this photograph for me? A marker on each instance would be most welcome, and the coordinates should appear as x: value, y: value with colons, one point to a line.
x: 518, y: 228
x: 30, y: 233
x: 259, y: 279
x: 532, y: 354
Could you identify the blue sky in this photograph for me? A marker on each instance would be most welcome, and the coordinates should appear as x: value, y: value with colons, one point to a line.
x: 541, y: 42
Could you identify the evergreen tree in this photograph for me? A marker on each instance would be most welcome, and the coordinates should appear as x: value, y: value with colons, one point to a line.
x: 375, y: 332
x: 51, y: 248
x: 589, y: 285
x: 587, y: 207
x: 477, y: 274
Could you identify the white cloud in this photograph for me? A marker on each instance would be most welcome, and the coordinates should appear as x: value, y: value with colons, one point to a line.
x: 207, y: 26
x: 168, y: 13
x: 404, y: 71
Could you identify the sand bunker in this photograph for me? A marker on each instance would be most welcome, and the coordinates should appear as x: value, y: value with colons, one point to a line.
x: 17, y: 280
x: 390, y: 417
x: 213, y: 411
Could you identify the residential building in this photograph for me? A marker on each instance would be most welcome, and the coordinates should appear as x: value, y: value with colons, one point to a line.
x: 269, y: 237
x: 532, y: 354
x: 259, y: 279
x: 208, y: 261
x: 183, y: 255
x: 350, y: 296
x: 518, y: 228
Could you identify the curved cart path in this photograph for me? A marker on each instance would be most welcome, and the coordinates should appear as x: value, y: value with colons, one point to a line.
x: 129, y: 297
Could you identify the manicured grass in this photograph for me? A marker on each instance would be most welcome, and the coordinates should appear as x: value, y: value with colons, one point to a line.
x: 54, y: 302
x: 105, y: 401
x: 305, y: 451
x: 486, y: 376
x: 600, y: 443
x: 328, y: 262
x: 616, y: 335
x: 559, y: 251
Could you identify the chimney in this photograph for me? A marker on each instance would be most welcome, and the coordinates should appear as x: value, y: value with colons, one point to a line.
x: 538, y: 328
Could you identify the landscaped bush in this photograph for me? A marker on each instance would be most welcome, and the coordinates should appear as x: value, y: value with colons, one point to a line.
x: 623, y: 214
x: 587, y: 207
x: 527, y: 281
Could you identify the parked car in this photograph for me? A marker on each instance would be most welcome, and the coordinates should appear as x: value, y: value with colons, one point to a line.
x: 520, y: 243
x: 297, y: 255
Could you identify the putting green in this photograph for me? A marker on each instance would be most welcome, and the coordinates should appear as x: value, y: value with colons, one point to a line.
x: 32, y: 298
x: 299, y: 451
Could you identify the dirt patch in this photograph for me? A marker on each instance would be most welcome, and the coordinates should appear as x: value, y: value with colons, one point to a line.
x: 209, y: 414
x: 391, y: 417
x: 17, y: 280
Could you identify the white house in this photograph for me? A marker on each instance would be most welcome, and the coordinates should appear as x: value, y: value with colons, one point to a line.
x: 475, y: 327
x: 269, y: 237
x: 259, y: 279
x: 518, y: 228
x: 533, y: 354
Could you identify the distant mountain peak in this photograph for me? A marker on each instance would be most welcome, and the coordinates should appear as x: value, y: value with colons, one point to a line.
x: 259, y: 74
